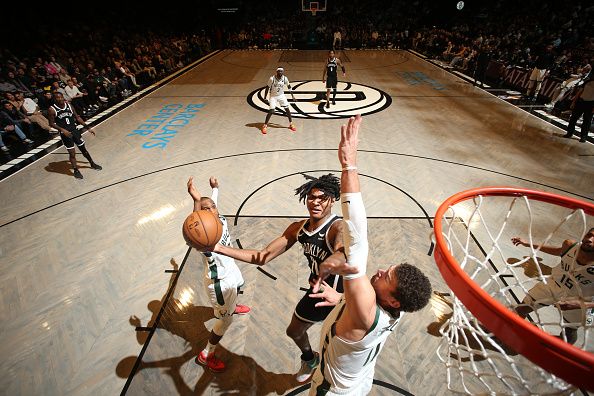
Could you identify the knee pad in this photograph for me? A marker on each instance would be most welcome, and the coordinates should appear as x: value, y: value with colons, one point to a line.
x: 222, y: 324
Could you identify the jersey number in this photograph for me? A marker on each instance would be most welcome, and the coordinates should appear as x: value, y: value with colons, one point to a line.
x: 67, y: 121
x: 566, y: 280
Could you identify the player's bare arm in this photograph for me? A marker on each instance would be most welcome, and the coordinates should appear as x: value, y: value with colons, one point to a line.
x: 552, y: 250
x: 358, y: 292
x: 194, y: 193
x: 273, y: 250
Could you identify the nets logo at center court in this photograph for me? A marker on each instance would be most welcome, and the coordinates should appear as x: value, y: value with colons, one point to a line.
x: 310, y: 100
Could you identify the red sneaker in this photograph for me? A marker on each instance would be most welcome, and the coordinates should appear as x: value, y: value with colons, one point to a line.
x: 292, y: 127
x: 241, y: 309
x: 264, y: 130
x: 211, y: 362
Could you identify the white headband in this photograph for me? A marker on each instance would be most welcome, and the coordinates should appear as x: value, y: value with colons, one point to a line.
x: 280, y: 69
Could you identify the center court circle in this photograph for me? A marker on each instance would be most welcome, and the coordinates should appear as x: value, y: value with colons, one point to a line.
x: 310, y: 100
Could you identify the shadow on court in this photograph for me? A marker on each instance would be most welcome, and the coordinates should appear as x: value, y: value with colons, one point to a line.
x: 65, y: 168
x: 168, y: 367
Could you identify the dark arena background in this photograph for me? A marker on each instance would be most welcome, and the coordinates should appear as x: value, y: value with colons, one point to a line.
x: 99, y: 292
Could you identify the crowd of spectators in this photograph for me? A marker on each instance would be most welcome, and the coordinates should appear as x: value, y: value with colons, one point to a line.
x: 98, y: 65
x: 92, y: 74
x: 517, y: 39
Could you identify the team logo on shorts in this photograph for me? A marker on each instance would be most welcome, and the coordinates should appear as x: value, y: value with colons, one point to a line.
x: 310, y: 100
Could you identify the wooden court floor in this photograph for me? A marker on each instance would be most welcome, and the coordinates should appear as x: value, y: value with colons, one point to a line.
x: 87, y: 262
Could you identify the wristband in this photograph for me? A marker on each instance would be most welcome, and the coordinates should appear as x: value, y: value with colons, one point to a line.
x: 349, y: 167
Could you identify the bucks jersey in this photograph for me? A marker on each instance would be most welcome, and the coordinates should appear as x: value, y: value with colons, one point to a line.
x: 65, y: 117
x: 218, y: 266
x: 571, y: 278
x: 347, y: 367
x: 277, y: 86
x: 317, y: 249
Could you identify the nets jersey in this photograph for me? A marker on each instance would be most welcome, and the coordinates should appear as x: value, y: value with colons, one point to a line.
x: 317, y: 249
x: 331, y: 68
x: 570, y: 279
x: 277, y: 86
x: 216, y: 265
x: 65, y: 117
x: 347, y: 367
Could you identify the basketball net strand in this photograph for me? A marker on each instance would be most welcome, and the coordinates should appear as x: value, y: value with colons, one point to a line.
x: 476, y: 361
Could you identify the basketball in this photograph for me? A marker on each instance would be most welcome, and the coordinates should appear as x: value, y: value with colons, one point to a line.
x: 202, y: 230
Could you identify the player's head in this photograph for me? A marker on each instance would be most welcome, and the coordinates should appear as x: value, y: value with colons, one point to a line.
x: 331, y: 54
x: 279, y: 72
x: 208, y: 204
x: 401, y: 287
x: 319, y: 194
x: 59, y: 98
x: 588, y: 241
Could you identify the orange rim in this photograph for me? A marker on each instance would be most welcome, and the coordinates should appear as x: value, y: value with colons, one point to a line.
x: 564, y: 360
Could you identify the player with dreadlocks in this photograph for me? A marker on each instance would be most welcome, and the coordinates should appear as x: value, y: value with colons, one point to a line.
x: 321, y: 237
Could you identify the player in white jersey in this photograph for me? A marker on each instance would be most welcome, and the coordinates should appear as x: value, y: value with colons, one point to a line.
x: 355, y: 331
x: 222, y: 280
x: 276, y: 86
x: 570, y: 285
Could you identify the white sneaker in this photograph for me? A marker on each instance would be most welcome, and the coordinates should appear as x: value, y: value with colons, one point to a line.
x: 4, y: 148
x: 28, y: 141
x: 307, y: 368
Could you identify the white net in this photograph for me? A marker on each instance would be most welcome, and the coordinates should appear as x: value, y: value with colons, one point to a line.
x: 523, y: 253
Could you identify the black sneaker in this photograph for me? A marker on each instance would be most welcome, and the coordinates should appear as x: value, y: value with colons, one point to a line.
x: 77, y: 174
x: 333, y: 102
x: 327, y: 105
x: 96, y: 167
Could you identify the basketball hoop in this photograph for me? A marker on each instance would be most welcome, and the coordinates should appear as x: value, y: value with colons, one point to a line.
x: 484, y: 294
x: 313, y: 7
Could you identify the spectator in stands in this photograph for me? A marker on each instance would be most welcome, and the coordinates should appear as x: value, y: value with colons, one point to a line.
x: 33, y: 113
x: 460, y: 55
x: 124, y: 72
x: 16, y: 116
x: 75, y: 97
x: 8, y: 127
x: 566, y: 87
x: 18, y: 83
x: 337, y: 43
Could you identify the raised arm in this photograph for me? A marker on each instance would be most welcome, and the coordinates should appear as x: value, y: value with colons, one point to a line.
x: 261, y: 257
x: 553, y: 250
x: 214, y: 184
x: 194, y: 194
x: 358, y: 291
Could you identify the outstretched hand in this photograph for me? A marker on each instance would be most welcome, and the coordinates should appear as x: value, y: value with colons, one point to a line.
x: 519, y: 241
x: 349, y: 140
x: 214, y: 183
x: 192, y: 189
x: 329, y: 267
x: 328, y: 295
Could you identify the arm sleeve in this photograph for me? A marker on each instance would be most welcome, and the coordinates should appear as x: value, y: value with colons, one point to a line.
x: 355, y: 238
x: 215, y: 195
